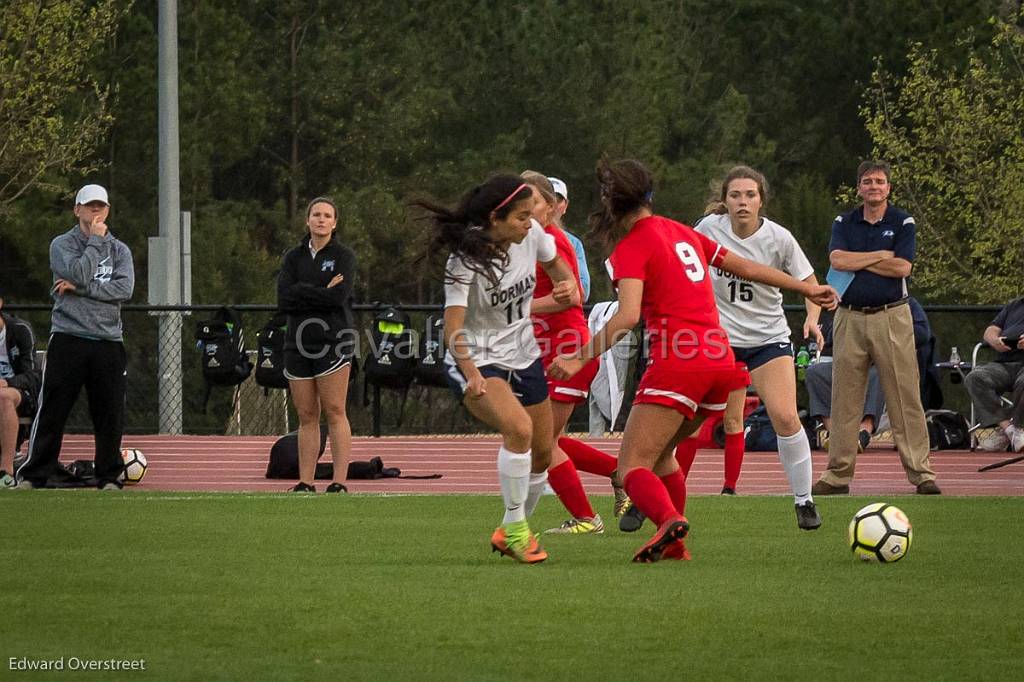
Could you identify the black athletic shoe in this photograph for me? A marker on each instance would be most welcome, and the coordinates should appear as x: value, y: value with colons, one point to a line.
x: 301, y: 487
x: 632, y: 520
x: 109, y: 485
x: 807, y: 516
x: 336, y: 488
x: 726, y: 490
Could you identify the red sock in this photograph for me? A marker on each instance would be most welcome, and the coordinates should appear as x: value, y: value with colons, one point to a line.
x: 566, y: 483
x: 675, y: 484
x: 649, y: 495
x: 587, y: 458
x: 686, y: 451
x: 734, y: 448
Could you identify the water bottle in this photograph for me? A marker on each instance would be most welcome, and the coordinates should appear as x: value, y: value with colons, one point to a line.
x: 956, y: 376
x: 803, y: 358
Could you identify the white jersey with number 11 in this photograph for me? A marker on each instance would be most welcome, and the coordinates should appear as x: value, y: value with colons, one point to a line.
x: 498, y: 321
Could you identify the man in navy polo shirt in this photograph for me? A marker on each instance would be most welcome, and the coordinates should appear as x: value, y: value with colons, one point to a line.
x: 873, y: 325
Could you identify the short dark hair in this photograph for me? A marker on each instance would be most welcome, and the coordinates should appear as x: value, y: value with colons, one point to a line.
x: 872, y: 165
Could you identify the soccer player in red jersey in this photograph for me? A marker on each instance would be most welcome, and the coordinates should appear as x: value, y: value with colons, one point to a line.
x: 561, y: 328
x: 660, y: 268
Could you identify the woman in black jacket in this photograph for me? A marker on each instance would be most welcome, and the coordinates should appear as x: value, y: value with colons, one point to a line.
x: 19, y: 387
x: 314, y: 289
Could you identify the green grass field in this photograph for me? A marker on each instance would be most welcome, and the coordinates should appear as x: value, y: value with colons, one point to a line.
x: 366, y: 587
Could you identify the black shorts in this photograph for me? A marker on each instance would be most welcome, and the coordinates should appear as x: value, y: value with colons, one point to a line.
x: 760, y: 355
x: 299, y: 366
x: 27, y: 406
x: 529, y: 385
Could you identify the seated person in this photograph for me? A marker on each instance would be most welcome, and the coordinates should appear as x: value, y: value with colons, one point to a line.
x: 819, y: 380
x: 987, y: 382
x: 19, y: 387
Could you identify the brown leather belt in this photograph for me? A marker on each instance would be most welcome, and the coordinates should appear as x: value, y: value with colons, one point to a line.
x: 869, y: 310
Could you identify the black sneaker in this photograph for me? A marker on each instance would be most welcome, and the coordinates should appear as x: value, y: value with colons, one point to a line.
x: 336, y: 488
x: 109, y: 485
x: 863, y: 440
x: 301, y: 487
x: 632, y: 520
x: 726, y: 490
x: 807, y: 516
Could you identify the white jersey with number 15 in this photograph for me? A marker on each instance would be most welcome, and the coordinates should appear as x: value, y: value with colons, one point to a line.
x: 751, y: 312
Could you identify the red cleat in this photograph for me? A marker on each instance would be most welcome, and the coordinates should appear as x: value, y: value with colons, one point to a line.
x: 668, y: 533
x: 677, y: 550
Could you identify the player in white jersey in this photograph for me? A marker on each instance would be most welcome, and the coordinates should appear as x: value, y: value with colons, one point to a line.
x: 493, y: 362
x: 753, y: 317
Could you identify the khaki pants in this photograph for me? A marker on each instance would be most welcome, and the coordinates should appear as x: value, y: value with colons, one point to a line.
x: 885, y: 338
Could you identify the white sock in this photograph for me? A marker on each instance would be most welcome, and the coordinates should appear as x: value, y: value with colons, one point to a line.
x: 538, y: 485
x: 514, y: 476
x: 795, y: 455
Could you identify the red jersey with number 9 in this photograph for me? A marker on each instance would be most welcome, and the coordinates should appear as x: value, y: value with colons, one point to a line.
x: 678, y: 305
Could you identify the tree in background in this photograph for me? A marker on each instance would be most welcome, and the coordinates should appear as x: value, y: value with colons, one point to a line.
x: 954, y: 137
x: 53, y: 113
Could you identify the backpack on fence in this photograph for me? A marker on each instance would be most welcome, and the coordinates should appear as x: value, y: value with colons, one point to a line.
x: 392, y: 357
x: 221, y: 345
x: 947, y: 430
x: 430, y: 370
x: 270, y: 353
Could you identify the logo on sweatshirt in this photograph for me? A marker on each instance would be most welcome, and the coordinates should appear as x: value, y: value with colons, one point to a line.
x: 327, y: 265
x: 103, y: 271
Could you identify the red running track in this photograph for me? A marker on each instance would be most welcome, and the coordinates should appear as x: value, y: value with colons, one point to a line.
x: 467, y: 465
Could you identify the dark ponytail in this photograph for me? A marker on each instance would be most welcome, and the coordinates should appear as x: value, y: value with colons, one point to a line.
x: 626, y: 186
x: 465, y: 231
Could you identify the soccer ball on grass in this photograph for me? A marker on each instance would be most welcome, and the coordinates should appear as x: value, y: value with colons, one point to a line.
x: 135, y: 466
x: 880, y: 532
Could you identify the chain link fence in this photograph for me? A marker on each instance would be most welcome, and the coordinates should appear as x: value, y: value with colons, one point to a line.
x: 160, y: 342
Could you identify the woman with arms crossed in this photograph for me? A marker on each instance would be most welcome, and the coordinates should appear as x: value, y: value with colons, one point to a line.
x: 314, y: 289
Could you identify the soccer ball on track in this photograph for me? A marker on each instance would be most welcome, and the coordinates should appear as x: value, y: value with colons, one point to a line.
x: 135, y: 466
x: 880, y: 532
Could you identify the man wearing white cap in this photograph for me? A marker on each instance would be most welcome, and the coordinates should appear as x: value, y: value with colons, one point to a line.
x: 561, y: 206
x: 93, y: 275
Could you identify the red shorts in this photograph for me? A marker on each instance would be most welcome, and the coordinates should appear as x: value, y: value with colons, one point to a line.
x: 576, y: 389
x: 690, y: 392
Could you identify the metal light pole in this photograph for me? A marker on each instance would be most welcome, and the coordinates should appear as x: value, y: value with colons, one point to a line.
x: 165, y: 251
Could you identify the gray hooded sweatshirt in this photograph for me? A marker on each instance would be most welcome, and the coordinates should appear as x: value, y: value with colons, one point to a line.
x: 104, y: 277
